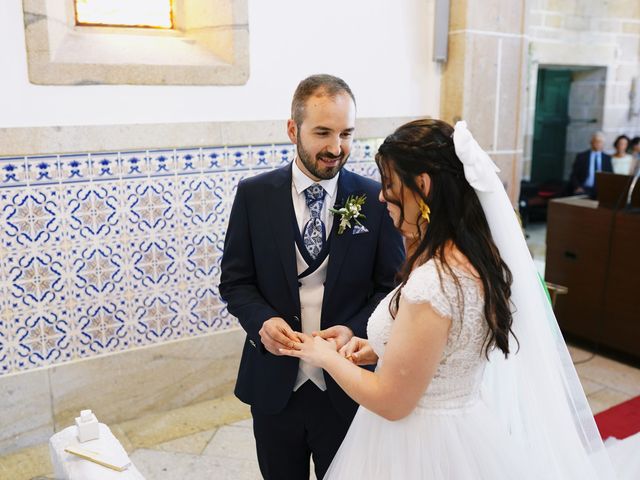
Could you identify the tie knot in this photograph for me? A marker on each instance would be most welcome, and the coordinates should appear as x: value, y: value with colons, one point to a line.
x: 314, y: 193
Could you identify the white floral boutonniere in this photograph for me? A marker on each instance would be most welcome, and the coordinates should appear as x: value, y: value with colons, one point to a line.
x: 350, y: 211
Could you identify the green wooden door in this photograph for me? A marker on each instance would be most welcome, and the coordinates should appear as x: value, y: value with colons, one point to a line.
x: 550, y: 129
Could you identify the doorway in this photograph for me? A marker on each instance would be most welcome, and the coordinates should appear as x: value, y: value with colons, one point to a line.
x: 550, y: 127
x: 569, y: 108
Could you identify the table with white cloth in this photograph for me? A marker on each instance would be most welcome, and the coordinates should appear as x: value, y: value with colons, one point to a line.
x: 67, y: 466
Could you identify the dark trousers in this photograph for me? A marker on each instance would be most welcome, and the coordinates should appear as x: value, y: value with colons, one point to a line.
x: 309, y: 425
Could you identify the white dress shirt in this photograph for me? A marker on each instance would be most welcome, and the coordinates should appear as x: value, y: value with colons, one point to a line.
x: 300, y: 182
x: 311, y: 287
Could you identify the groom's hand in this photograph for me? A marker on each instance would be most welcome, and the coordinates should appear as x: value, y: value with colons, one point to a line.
x: 339, y: 334
x: 276, y: 334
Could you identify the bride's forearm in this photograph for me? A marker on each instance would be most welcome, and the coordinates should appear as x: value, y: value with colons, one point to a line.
x: 363, y: 386
x: 412, y: 355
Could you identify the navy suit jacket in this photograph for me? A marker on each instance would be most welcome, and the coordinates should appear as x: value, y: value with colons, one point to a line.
x: 259, y: 278
x: 580, y: 169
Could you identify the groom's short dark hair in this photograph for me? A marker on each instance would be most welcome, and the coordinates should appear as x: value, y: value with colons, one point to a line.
x: 328, y: 84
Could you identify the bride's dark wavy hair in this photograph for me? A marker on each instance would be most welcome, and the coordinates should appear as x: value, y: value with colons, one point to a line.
x: 426, y: 146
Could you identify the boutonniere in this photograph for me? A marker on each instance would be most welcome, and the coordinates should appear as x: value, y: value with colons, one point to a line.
x: 350, y: 211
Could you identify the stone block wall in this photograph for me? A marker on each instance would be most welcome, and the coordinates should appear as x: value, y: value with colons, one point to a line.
x: 600, y: 41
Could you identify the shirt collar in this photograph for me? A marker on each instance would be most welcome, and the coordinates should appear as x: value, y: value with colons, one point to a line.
x: 301, y: 182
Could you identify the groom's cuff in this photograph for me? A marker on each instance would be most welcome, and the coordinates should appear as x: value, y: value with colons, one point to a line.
x: 258, y: 345
x: 254, y: 336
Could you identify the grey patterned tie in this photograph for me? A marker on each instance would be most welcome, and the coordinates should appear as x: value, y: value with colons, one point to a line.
x: 314, y: 231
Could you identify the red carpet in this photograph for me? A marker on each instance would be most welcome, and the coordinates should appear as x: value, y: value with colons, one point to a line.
x: 620, y: 421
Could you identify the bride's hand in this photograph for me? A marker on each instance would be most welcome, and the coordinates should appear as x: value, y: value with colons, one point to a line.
x: 359, y: 351
x: 314, y: 350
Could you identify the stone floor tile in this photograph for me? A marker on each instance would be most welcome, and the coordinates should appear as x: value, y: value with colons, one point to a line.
x: 579, y: 354
x: 163, y: 427
x: 26, y: 464
x: 232, y: 442
x: 193, y: 444
x: 590, y: 387
x: 248, y: 423
x: 612, y: 374
x: 605, y: 399
x: 121, y: 435
x: 181, y: 466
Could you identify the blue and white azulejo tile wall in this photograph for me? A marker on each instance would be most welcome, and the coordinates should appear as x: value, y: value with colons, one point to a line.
x: 104, y: 252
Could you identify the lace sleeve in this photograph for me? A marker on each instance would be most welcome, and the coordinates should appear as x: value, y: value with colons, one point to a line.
x: 424, y: 286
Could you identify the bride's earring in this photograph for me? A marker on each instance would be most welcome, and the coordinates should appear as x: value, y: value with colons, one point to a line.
x: 425, y: 211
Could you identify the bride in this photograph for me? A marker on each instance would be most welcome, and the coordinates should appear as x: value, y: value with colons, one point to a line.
x: 473, y: 379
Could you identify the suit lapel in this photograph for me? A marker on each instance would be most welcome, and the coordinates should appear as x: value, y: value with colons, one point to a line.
x: 339, y: 243
x: 281, y: 214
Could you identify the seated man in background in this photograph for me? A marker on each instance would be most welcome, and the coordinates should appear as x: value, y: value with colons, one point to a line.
x: 586, y: 164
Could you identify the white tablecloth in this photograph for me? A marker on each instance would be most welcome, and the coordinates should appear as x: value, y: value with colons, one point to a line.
x: 71, y: 467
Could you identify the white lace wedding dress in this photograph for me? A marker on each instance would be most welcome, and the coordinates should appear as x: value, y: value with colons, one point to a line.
x: 451, y: 434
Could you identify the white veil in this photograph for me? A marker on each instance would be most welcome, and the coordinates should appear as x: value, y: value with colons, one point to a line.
x: 536, y: 391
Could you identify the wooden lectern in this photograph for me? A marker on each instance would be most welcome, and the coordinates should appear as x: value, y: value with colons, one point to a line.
x: 593, y: 248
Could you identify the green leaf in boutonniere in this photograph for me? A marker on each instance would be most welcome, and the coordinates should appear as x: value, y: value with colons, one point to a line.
x: 350, y: 211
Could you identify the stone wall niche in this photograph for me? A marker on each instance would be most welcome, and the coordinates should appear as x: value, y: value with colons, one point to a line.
x: 209, y: 45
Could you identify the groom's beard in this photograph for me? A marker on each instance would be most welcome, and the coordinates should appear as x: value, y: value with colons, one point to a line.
x: 315, y: 167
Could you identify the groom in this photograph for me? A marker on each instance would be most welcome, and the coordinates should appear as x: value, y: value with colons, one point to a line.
x: 287, y: 269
